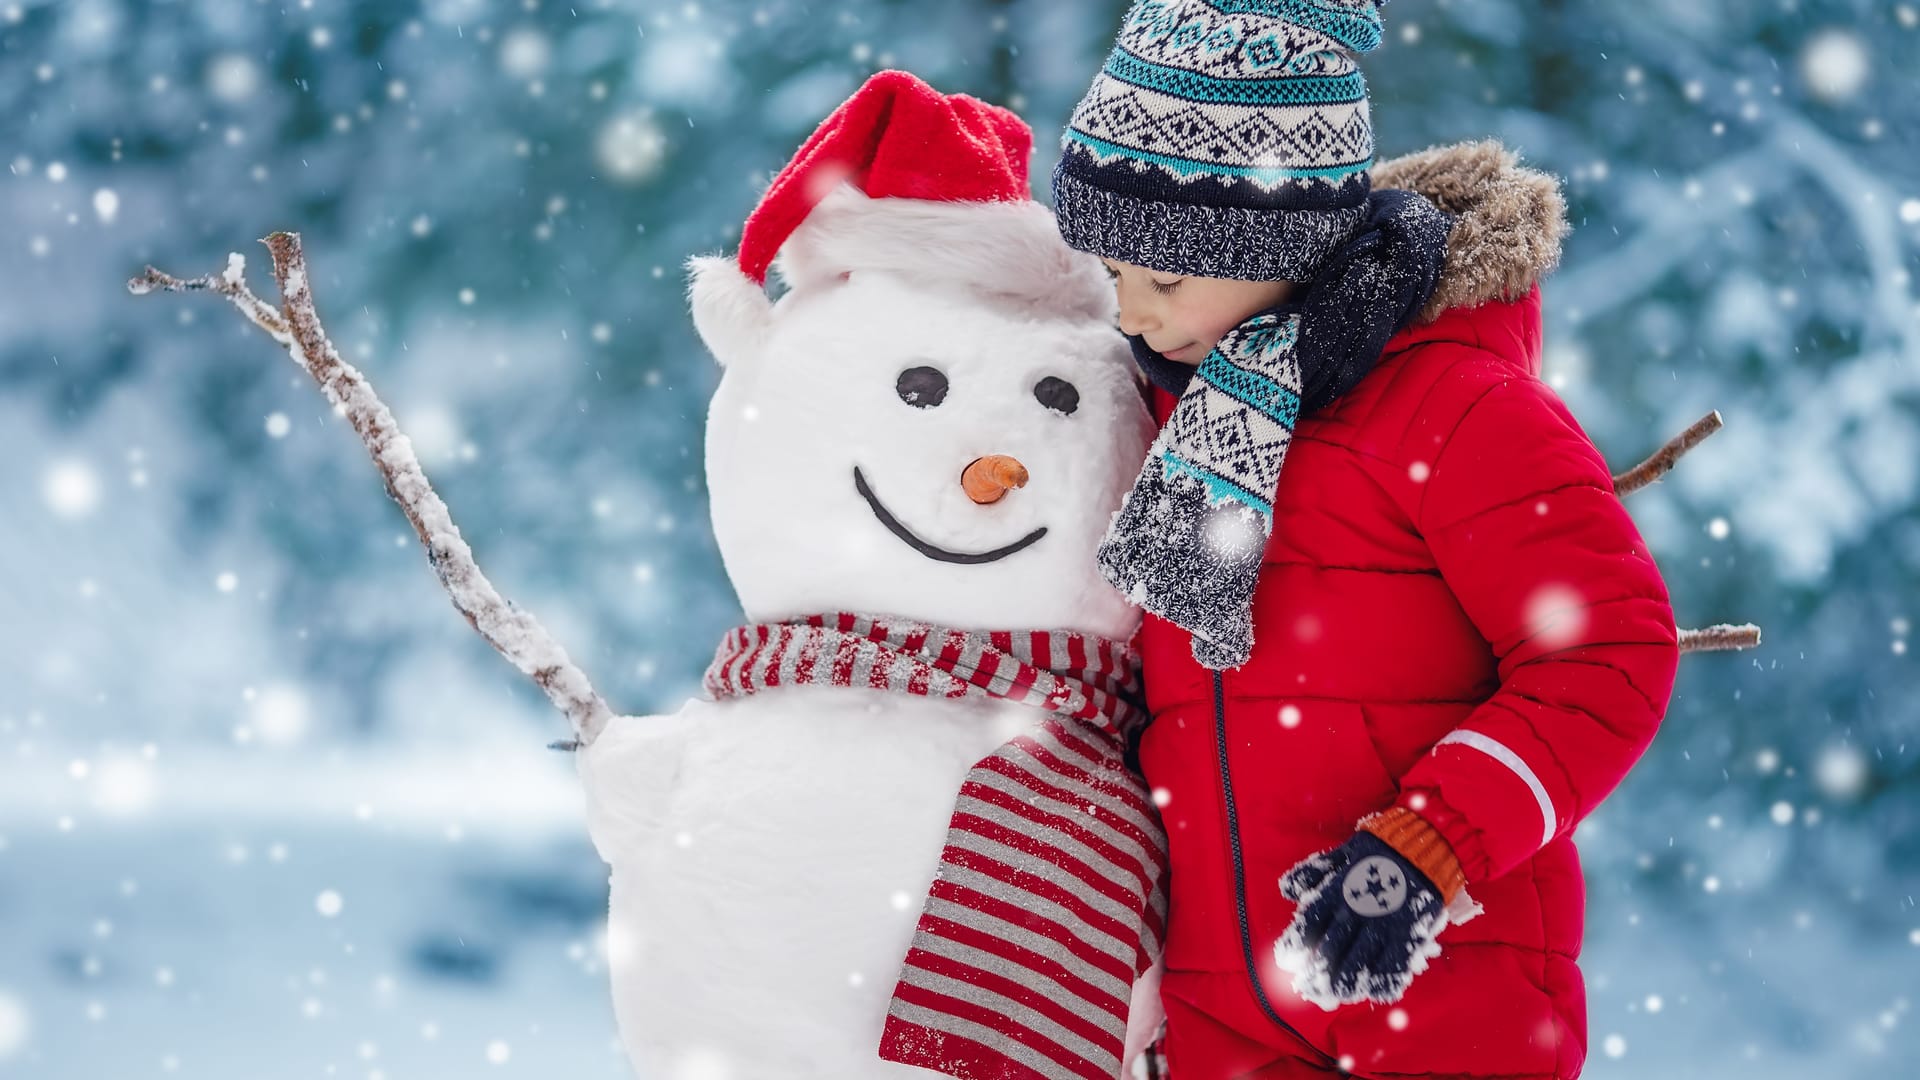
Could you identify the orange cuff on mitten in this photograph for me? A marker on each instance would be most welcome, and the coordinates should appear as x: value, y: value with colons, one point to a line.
x: 1420, y: 844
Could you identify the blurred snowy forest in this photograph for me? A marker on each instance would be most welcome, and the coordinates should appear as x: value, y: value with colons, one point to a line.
x: 267, y: 805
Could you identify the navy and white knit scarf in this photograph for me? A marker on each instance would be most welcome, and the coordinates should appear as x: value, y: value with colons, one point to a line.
x: 1050, y: 899
x: 1187, y: 542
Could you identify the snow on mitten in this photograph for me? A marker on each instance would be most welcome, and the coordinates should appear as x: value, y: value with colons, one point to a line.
x: 1369, y: 911
x: 1187, y: 542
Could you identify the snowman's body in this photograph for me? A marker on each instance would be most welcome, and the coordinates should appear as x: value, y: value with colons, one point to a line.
x: 772, y: 853
x: 770, y: 856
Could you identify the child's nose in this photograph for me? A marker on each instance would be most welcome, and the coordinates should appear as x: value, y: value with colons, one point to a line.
x: 1134, y: 321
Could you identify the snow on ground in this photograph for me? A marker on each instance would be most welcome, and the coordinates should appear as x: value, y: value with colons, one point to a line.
x: 383, y: 924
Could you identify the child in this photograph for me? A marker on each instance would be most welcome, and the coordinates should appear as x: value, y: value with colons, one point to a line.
x: 1408, y: 664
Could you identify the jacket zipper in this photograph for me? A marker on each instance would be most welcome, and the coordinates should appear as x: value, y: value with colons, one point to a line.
x: 1240, y: 874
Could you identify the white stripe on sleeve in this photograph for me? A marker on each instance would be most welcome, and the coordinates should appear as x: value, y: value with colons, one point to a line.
x: 1498, y: 751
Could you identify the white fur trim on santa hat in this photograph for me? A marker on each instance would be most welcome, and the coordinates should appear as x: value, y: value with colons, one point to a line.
x: 730, y: 310
x: 1008, y: 251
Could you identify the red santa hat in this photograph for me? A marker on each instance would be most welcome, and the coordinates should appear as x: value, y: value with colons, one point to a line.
x: 895, y: 138
x: 905, y: 180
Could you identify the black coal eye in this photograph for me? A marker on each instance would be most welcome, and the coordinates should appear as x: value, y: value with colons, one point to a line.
x: 921, y: 387
x: 1057, y: 394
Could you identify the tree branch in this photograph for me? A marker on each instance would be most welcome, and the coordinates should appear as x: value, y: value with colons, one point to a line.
x: 232, y: 285
x: 517, y: 635
x: 1722, y: 638
x: 1663, y: 461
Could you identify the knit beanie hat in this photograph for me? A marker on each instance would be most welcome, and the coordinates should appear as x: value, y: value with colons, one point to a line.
x: 1223, y: 138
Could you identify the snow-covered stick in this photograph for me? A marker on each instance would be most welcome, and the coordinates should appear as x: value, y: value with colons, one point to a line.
x: 1722, y: 638
x: 232, y: 285
x: 1663, y: 460
x: 517, y: 635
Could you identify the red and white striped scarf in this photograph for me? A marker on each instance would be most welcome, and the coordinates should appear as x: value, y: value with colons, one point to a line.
x: 1050, y: 899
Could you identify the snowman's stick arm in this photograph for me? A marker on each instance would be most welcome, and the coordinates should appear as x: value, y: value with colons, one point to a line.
x: 1665, y: 458
x: 1722, y: 638
x: 1725, y: 637
x: 517, y: 635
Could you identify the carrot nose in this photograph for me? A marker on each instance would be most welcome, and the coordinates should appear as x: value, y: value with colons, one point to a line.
x: 990, y: 477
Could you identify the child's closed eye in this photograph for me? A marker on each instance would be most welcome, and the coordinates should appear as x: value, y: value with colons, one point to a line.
x: 1164, y: 287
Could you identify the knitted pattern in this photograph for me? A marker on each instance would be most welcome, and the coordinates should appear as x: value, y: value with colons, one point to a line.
x: 1223, y: 138
x: 1422, y: 845
x: 1187, y: 541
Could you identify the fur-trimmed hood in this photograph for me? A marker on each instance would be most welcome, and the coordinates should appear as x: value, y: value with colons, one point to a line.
x: 1508, y: 220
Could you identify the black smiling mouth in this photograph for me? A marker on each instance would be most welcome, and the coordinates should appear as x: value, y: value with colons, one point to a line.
x: 929, y: 550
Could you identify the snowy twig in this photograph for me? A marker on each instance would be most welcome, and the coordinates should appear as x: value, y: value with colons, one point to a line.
x: 232, y: 285
x: 517, y: 635
x: 1722, y: 638
x: 1663, y: 461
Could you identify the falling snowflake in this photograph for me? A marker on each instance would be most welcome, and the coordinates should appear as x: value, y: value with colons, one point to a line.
x: 1556, y: 616
x: 631, y: 147
x: 279, y: 715
x: 72, y: 489
x: 525, y: 53
x: 701, y: 1064
x: 1841, y: 772
x: 1836, y: 65
x: 233, y: 78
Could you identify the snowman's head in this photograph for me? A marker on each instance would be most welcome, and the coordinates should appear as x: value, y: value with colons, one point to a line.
x: 849, y: 410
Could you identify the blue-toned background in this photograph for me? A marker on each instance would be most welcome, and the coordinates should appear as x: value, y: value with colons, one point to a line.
x: 268, y: 807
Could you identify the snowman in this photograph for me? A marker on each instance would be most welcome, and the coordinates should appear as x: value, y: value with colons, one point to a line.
x: 899, y: 835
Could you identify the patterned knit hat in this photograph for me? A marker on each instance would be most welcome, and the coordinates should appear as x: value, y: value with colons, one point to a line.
x: 1224, y: 138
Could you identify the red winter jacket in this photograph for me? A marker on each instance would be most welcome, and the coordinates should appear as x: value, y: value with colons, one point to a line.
x: 1455, y: 615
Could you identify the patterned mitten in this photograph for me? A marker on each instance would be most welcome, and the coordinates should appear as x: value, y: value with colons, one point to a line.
x: 1187, y: 542
x: 1368, y: 913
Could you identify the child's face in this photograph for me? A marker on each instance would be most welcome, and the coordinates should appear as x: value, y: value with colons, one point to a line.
x: 1183, y: 318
